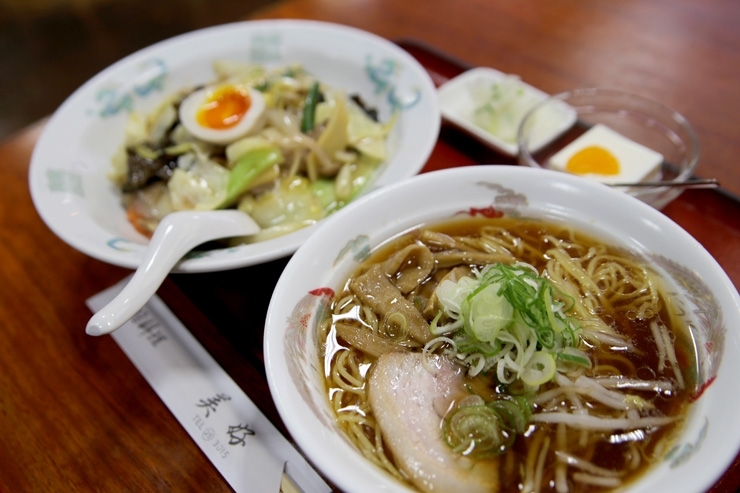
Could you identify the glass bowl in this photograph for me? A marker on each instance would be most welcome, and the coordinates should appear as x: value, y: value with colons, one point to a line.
x: 642, y: 120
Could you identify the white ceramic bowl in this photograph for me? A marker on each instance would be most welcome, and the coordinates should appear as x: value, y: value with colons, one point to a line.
x: 70, y: 162
x: 712, y: 435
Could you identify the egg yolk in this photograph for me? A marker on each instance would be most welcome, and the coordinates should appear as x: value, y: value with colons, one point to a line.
x: 223, y: 108
x: 593, y: 159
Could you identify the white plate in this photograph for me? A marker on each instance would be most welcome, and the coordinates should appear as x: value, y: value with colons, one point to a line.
x: 457, y: 104
x: 70, y: 162
x: 711, y: 438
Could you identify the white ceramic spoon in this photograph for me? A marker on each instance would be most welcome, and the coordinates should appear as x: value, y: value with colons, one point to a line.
x: 176, y: 235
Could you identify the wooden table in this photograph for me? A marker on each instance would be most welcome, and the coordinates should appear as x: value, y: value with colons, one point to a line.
x: 75, y: 414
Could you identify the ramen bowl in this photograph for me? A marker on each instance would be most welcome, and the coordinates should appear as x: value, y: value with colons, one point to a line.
x: 710, y: 437
x: 649, y: 141
x: 71, y: 164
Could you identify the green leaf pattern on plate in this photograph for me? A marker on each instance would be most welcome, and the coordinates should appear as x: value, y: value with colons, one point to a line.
x: 381, y: 74
x: 112, y: 100
x: 265, y: 48
x: 64, y: 181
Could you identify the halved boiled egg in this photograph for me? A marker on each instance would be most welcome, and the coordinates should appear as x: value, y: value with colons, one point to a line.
x: 222, y: 113
x: 609, y: 157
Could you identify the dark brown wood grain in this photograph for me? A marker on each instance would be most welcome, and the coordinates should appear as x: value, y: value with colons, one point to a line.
x: 683, y: 53
x: 75, y: 415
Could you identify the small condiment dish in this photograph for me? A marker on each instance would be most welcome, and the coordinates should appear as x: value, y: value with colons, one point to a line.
x: 490, y: 105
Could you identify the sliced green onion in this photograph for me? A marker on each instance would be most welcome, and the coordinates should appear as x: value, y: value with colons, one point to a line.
x: 476, y: 431
x: 508, y: 313
x: 487, y: 313
x: 395, y: 326
x: 309, y: 108
x: 540, y: 369
x: 574, y: 355
x: 516, y: 411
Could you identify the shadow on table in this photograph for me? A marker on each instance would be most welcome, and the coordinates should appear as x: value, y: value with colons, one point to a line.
x: 49, y: 48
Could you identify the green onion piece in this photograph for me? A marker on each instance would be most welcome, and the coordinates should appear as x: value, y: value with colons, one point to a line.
x: 467, y: 345
x: 574, y: 355
x: 516, y: 411
x: 247, y: 168
x: 476, y: 431
x: 395, y: 326
x: 309, y: 108
x: 531, y: 296
x: 487, y: 313
x: 540, y: 369
x: 434, y: 322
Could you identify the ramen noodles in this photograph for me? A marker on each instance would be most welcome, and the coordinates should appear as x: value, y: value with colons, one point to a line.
x: 508, y: 355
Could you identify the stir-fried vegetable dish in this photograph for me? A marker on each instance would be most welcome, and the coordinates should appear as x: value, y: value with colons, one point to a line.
x: 278, y: 144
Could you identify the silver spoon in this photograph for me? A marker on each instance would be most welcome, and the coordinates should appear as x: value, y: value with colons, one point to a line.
x: 176, y: 235
x: 692, y: 183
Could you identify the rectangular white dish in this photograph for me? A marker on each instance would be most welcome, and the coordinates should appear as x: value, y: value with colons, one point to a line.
x: 485, y: 93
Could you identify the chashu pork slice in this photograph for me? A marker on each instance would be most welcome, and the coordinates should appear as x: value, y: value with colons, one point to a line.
x: 409, y: 400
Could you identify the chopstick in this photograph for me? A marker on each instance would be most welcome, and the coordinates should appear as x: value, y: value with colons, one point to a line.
x: 287, y: 485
